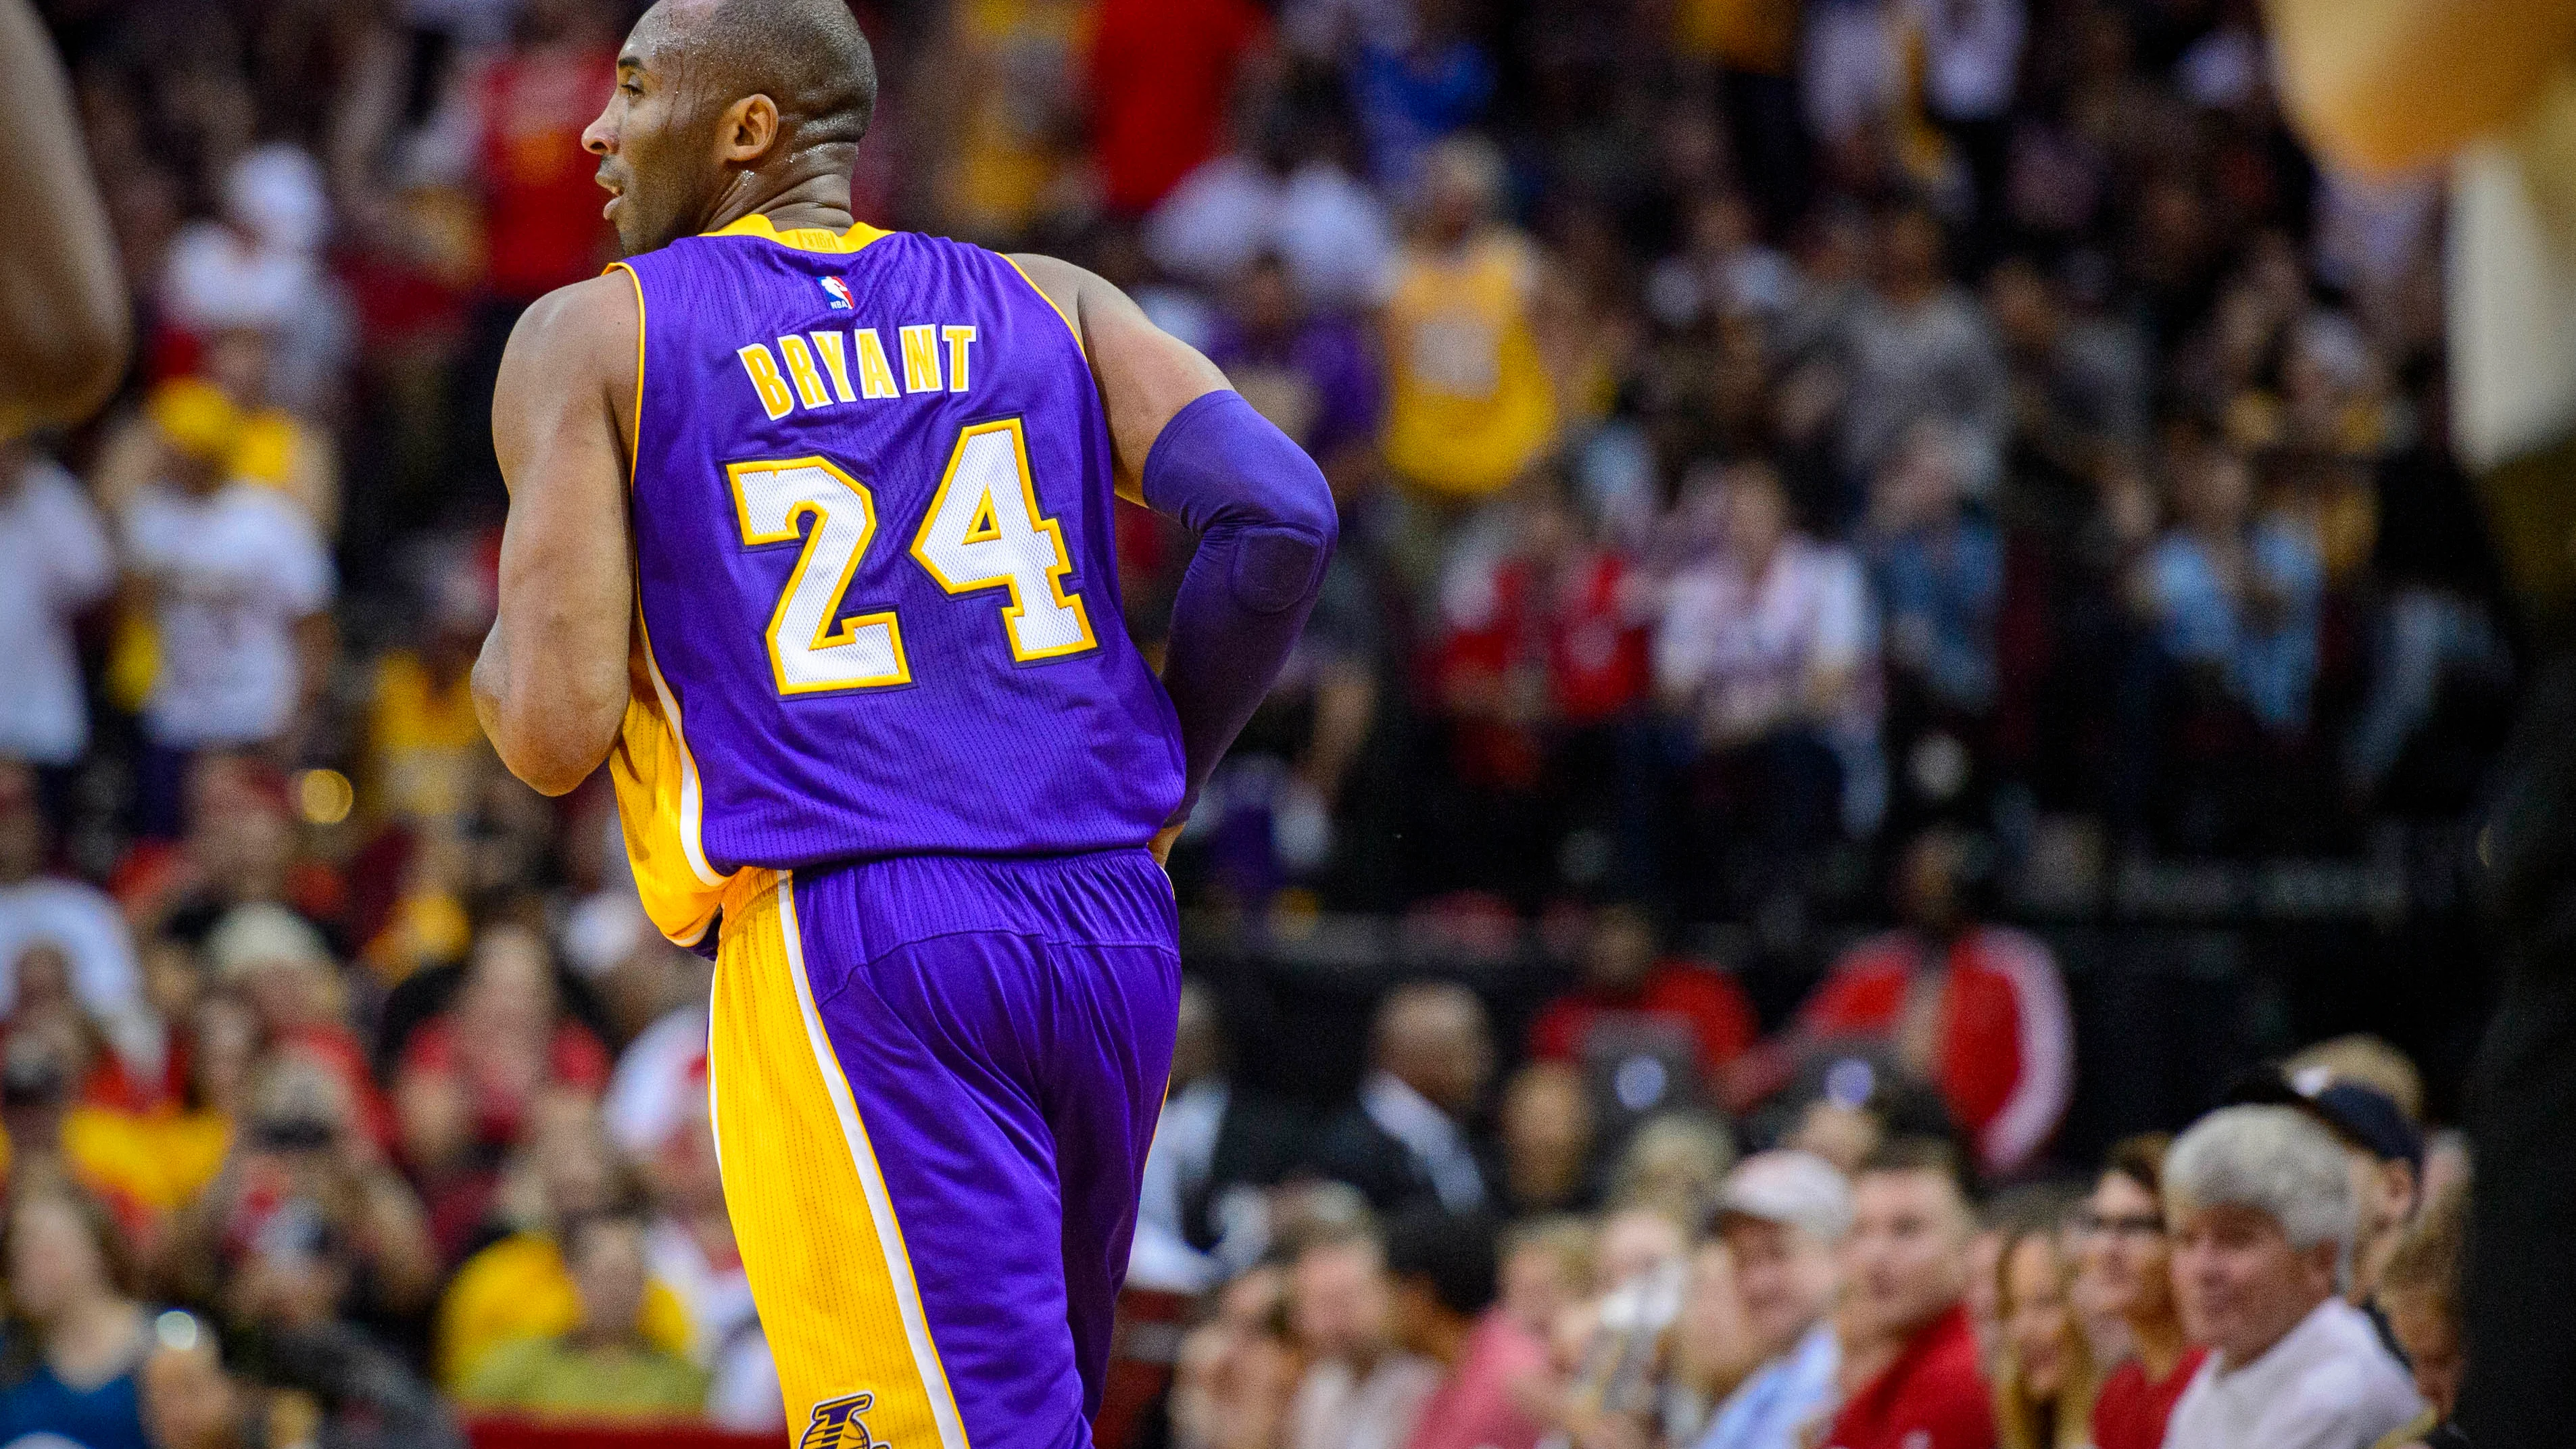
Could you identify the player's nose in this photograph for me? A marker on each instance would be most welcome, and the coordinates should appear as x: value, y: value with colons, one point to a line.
x: 597, y: 138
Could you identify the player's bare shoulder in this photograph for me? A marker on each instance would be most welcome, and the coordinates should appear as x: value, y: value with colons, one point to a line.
x: 551, y: 685
x: 573, y: 348
x: 1061, y: 281
x: 1145, y: 375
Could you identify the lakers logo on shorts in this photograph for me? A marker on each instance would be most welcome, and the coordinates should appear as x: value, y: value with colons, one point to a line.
x: 836, y: 1425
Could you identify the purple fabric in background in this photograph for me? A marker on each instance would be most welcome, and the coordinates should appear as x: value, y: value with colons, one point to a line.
x: 1315, y: 380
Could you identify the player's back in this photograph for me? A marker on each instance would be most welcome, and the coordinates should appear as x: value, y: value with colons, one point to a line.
x: 873, y: 535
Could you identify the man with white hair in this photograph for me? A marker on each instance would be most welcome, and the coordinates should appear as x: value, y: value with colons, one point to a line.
x: 2264, y: 1220
x: 1783, y: 1216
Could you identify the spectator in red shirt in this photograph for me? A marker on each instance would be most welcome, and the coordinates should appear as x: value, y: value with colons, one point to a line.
x: 2130, y: 1262
x: 1162, y: 72
x: 505, y: 1042
x: 1542, y: 662
x: 542, y: 224
x: 1626, y: 986
x: 1540, y: 638
x: 1977, y: 1010
x: 1444, y: 1270
x: 1908, y: 1257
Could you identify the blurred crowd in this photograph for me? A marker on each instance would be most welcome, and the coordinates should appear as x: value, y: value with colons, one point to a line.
x: 1793, y: 454
x: 2286, y: 1272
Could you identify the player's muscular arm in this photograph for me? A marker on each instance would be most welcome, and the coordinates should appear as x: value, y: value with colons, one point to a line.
x: 551, y: 685
x: 63, y: 319
x: 1146, y: 375
x: 2387, y: 84
x: 1188, y: 446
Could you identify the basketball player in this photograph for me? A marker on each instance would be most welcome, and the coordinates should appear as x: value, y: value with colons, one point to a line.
x: 810, y: 541
x: 63, y: 318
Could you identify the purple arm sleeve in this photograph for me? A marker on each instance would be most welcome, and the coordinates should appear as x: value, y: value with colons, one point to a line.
x: 1266, y: 527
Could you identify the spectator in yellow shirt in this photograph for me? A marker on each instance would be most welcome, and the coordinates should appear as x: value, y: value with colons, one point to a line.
x: 603, y: 1366
x: 522, y: 1286
x: 1470, y: 406
x: 426, y: 759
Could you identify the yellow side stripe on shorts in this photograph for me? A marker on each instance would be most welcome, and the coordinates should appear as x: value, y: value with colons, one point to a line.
x: 816, y: 1226
x: 898, y: 1261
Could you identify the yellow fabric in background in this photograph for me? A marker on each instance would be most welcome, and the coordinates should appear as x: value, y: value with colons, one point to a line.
x: 520, y: 1288
x: 1469, y: 405
x: 1013, y: 56
x: 422, y: 741
x: 196, y: 418
x: 1759, y: 36
x: 154, y: 1161
x: 158, y: 1162
x: 133, y: 659
x: 552, y: 1379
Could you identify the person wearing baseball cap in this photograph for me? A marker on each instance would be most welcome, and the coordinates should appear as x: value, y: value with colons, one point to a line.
x: 1782, y: 1216
x: 2384, y: 1149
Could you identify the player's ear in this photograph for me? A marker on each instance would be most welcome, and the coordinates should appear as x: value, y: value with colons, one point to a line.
x: 750, y: 128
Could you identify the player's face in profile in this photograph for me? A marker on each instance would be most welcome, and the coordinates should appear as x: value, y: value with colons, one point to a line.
x: 653, y: 141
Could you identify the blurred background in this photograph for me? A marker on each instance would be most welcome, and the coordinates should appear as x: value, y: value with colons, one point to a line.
x: 1836, y: 494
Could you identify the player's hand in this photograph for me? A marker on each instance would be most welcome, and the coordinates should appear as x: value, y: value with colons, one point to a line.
x: 1161, y: 844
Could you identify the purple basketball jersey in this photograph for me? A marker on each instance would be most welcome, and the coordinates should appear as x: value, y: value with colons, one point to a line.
x: 873, y: 534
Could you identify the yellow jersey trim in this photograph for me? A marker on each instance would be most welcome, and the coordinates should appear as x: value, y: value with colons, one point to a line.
x: 691, y: 804
x: 802, y: 238
x: 635, y: 426
x: 1051, y: 304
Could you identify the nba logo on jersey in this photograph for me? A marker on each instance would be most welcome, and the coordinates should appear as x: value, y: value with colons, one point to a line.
x: 836, y: 1425
x: 839, y: 292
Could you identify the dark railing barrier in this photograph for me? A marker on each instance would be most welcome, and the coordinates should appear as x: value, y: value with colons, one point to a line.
x: 2180, y: 973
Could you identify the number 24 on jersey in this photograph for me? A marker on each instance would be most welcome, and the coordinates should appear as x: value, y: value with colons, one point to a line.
x: 982, y: 531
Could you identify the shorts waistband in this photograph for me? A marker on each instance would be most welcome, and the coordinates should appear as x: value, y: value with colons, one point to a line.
x: 870, y: 907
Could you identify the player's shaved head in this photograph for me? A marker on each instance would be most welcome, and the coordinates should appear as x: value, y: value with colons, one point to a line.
x: 724, y: 106
x: 808, y: 56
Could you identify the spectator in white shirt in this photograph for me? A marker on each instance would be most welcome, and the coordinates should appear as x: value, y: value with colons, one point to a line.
x: 1971, y: 63
x: 259, y: 265
x: 1849, y: 72
x: 1770, y: 632
x: 1287, y: 194
x: 1768, y: 648
x: 1971, y: 55
x: 1783, y: 1216
x: 1361, y: 1390
x: 72, y: 917
x: 2264, y: 1219
x: 54, y: 562
x: 237, y: 580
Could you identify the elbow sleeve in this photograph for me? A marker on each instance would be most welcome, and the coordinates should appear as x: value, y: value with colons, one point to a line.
x: 1225, y: 472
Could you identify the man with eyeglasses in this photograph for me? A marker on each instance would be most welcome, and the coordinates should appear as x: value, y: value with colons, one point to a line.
x: 2130, y: 1262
